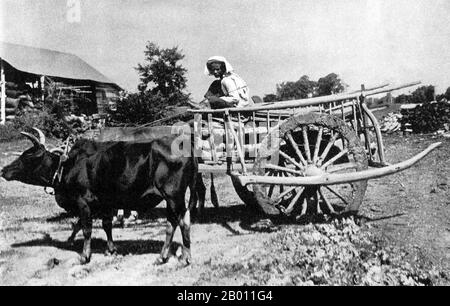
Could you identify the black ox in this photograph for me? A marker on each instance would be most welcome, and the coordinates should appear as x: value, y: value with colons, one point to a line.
x: 99, y: 177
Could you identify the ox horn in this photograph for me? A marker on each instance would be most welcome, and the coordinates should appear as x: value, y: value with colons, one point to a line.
x: 41, y: 136
x: 31, y: 137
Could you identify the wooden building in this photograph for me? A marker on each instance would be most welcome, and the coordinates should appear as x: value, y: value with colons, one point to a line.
x: 38, y: 71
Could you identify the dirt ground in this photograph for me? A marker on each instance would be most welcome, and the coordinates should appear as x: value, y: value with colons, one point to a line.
x: 402, y: 239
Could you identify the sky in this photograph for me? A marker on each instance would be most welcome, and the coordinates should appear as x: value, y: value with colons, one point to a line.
x: 267, y: 42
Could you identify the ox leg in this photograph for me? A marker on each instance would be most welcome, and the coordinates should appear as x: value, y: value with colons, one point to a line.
x: 200, y: 191
x: 107, y: 227
x: 185, y: 226
x: 76, y: 227
x: 170, y: 230
x: 86, y: 225
x: 214, y: 198
x: 194, y: 196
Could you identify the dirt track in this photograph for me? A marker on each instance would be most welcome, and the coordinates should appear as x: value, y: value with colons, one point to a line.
x: 406, y: 235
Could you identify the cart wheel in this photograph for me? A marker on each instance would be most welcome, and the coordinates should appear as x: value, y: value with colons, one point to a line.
x: 309, y: 145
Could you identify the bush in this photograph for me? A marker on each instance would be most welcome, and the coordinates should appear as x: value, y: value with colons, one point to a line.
x: 42, y: 119
x: 48, y: 123
x: 143, y: 107
x: 8, y: 132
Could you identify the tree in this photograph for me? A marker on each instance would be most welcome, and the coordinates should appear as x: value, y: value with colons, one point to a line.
x: 270, y: 98
x: 163, y: 75
x: 304, y: 88
x: 162, y: 87
x: 402, y: 99
x: 447, y: 94
x: 139, y: 108
x: 330, y: 84
x: 300, y: 89
x: 423, y: 94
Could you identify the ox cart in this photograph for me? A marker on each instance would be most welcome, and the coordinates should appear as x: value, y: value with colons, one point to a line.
x: 301, y: 156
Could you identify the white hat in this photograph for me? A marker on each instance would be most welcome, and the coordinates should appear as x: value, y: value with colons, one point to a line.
x: 228, y: 67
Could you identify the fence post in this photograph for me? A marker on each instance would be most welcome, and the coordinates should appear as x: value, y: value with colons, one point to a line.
x: 42, y: 87
x: 3, y: 94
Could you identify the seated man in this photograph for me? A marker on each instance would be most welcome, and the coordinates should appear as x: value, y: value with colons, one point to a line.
x: 229, y: 90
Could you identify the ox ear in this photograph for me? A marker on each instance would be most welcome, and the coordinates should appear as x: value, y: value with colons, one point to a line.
x: 31, y: 137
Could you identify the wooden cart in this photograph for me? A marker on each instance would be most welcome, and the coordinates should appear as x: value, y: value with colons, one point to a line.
x: 301, y: 156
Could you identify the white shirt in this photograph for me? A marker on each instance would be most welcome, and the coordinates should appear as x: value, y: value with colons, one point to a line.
x: 235, y: 90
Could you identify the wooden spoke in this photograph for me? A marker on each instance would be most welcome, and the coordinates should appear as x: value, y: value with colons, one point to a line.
x: 280, y: 168
x: 291, y: 205
x: 334, y: 158
x: 271, y: 188
x: 306, y: 143
x: 285, y: 193
x: 337, y: 194
x: 327, y: 149
x: 291, y: 160
x: 304, y: 206
x: 317, y: 148
x: 285, y: 173
x: 297, y: 150
x: 340, y: 167
x: 344, y: 143
x: 317, y: 199
x: 325, y: 200
x: 342, y: 140
x: 281, y: 186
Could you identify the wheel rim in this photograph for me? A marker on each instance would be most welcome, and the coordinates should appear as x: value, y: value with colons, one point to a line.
x: 310, y: 145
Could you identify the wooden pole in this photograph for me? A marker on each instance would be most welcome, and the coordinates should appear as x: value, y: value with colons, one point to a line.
x: 332, y: 179
x: 372, y: 88
x: 211, y: 138
x: 303, y: 102
x: 364, y: 120
x: 42, y: 87
x: 3, y: 94
x: 378, y: 135
x: 237, y: 142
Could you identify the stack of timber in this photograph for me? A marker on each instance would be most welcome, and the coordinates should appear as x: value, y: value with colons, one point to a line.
x: 17, y: 98
x: 426, y: 117
x: 391, y: 123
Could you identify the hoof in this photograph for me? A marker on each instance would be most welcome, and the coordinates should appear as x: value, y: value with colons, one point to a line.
x: 185, y: 259
x: 112, y: 252
x: 160, y: 261
x: 84, y: 259
x: 184, y: 262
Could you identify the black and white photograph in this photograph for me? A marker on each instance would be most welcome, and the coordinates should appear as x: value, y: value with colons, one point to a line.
x: 235, y: 146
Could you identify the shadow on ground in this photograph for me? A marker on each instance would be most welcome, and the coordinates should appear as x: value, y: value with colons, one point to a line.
x: 248, y: 218
x: 124, y: 247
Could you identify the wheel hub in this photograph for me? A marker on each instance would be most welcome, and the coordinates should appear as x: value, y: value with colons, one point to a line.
x: 312, y: 170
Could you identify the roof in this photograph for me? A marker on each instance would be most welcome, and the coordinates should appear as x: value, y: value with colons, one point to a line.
x: 50, y: 63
